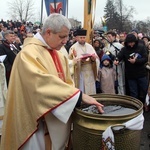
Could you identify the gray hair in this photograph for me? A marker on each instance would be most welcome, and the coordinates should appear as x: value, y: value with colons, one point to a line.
x: 7, y: 32
x: 55, y: 22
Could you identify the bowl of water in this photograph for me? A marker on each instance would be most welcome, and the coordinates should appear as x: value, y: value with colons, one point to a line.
x: 89, y: 124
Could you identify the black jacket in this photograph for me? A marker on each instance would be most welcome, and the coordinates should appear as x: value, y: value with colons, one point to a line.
x: 8, y: 62
x: 136, y: 70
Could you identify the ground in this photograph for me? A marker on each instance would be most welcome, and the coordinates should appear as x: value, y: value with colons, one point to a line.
x: 145, y: 141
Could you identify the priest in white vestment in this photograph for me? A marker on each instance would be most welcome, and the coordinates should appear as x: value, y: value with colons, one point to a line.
x: 86, y: 68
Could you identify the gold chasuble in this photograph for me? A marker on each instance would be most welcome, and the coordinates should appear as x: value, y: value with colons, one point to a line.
x: 35, y: 89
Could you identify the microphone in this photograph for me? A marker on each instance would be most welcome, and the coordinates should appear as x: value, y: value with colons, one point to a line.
x: 100, y: 32
x: 101, y: 35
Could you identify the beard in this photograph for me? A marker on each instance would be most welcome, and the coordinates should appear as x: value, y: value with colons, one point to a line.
x: 82, y: 43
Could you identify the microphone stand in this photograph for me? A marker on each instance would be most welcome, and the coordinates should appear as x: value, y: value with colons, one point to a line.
x: 116, y: 48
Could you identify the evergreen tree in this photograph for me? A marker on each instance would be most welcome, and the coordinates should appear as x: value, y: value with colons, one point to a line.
x: 118, y: 16
x: 111, y: 15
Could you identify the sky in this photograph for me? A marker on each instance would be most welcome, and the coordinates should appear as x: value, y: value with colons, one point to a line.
x: 75, y: 9
x: 142, y: 8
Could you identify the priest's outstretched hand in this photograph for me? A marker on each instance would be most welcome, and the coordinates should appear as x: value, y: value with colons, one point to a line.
x: 92, y: 101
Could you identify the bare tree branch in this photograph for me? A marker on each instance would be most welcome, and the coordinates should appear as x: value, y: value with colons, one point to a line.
x: 21, y: 9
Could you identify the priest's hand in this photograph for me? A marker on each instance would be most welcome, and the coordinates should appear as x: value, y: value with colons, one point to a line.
x: 92, y: 101
x: 93, y: 58
x: 75, y: 60
x: 74, y: 53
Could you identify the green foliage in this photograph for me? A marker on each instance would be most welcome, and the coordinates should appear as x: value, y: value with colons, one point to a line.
x: 119, y: 17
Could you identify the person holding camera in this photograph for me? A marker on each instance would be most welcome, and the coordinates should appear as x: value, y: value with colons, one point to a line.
x: 113, y: 48
x: 135, y: 57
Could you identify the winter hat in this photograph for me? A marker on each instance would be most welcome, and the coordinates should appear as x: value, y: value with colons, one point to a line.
x: 147, y: 37
x: 105, y: 57
x: 130, y: 38
x: 134, y: 30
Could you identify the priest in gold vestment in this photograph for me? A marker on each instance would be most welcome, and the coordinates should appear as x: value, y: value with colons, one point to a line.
x: 41, y: 95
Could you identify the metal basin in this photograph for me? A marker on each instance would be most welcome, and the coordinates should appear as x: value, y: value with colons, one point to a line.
x: 88, y: 128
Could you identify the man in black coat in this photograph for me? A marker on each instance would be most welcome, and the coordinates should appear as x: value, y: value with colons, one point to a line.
x: 9, y: 49
x: 135, y: 57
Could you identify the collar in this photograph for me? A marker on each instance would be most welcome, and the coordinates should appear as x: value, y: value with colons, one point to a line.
x: 39, y: 37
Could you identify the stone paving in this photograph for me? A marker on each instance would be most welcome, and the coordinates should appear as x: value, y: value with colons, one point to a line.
x: 145, y: 141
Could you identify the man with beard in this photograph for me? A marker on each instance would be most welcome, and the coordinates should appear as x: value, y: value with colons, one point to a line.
x: 135, y: 57
x: 86, y: 68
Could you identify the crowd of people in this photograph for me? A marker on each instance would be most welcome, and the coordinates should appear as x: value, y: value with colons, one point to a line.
x: 49, y: 74
x: 120, y: 60
x: 21, y: 29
